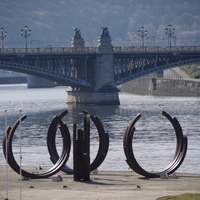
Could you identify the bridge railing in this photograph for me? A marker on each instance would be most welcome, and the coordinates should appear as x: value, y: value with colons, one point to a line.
x: 154, y: 49
x: 48, y: 50
x: 93, y: 50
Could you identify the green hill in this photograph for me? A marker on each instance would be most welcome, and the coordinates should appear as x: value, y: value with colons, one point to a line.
x: 52, y: 22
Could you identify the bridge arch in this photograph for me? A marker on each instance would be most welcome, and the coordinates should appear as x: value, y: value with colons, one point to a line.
x: 128, y: 73
x: 55, y: 76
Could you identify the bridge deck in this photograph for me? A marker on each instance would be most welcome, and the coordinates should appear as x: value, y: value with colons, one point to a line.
x: 94, y: 50
x: 75, y: 67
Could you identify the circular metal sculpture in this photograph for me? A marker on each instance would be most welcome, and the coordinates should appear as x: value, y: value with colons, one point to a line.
x: 103, y: 143
x: 58, y: 165
x: 181, y: 148
x: 58, y: 161
x: 51, y: 144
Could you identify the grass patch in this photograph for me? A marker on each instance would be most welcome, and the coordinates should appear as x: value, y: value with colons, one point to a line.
x: 182, y: 197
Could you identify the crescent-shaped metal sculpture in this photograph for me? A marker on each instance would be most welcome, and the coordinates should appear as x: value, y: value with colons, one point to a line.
x: 51, y: 142
x: 103, y: 143
x: 58, y: 161
x: 181, y: 148
x: 58, y: 165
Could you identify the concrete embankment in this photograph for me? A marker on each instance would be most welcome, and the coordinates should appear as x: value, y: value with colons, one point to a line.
x: 162, y: 87
x: 13, y: 80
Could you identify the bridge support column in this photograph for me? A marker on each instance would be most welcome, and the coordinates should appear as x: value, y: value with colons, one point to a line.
x: 98, y: 98
x: 36, y: 82
x: 105, y: 91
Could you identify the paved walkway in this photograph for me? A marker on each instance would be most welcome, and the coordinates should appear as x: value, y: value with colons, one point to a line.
x: 184, y: 75
x: 114, y: 185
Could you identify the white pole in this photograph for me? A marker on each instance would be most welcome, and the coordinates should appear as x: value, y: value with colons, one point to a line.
x: 6, y: 155
x: 20, y: 111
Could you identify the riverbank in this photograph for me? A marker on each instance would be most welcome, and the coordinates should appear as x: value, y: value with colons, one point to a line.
x: 162, y: 87
x: 174, y: 83
x: 110, y: 185
x: 9, y: 77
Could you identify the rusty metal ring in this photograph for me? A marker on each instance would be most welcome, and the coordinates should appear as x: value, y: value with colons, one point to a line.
x: 103, y: 143
x: 59, y: 164
x: 181, y: 148
x: 51, y: 145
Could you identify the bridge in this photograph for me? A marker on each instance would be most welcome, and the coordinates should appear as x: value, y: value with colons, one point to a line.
x: 93, y: 73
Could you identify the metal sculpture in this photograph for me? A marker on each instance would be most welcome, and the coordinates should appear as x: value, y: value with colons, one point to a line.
x: 81, y: 145
x: 103, y: 143
x: 58, y: 161
x: 181, y: 148
x: 58, y: 165
x: 51, y: 144
x: 81, y: 141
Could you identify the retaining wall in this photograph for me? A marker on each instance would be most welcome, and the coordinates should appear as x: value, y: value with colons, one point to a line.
x: 162, y: 87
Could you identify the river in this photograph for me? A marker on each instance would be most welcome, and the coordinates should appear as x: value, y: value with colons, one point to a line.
x: 154, y: 140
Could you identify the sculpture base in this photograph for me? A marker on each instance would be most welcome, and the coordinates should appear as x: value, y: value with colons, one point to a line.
x: 97, y: 98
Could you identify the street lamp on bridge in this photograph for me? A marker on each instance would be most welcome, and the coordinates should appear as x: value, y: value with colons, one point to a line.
x: 142, y: 33
x: 170, y: 31
x: 3, y: 35
x: 25, y: 32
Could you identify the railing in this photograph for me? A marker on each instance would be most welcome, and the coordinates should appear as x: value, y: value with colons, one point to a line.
x: 156, y: 49
x: 48, y: 50
x: 93, y: 50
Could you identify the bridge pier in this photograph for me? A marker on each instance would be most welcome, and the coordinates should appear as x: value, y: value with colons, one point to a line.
x: 104, y: 91
x: 98, y: 98
x: 36, y: 82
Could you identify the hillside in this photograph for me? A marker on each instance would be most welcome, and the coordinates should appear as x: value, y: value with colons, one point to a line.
x: 52, y: 22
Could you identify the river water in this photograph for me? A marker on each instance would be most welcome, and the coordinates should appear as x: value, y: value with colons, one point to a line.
x: 154, y: 140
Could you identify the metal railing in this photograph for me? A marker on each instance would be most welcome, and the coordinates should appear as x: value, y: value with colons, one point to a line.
x: 55, y: 50
x: 93, y: 50
x: 155, y: 49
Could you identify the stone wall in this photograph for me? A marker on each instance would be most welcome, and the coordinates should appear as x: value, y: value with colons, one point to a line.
x: 162, y: 87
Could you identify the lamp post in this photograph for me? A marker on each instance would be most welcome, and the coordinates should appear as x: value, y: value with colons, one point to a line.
x: 3, y: 35
x: 170, y: 31
x: 142, y: 33
x: 25, y: 32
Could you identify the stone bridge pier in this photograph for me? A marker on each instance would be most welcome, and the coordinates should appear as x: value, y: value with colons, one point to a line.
x: 104, y: 90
